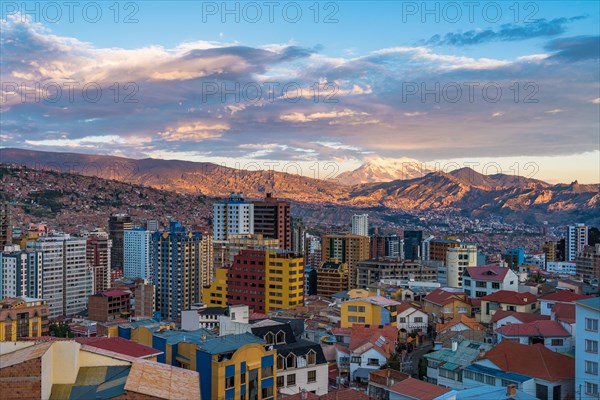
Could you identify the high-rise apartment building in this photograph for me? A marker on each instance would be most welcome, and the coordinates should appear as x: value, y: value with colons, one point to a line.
x: 360, y: 224
x: 5, y: 225
x: 207, y: 261
x: 66, y: 282
x: 332, y: 277
x: 577, y: 239
x: 224, y: 251
x: 299, y: 236
x: 144, y: 304
x: 587, y: 263
x: 412, y: 244
x: 152, y: 225
x: 348, y: 249
x: 136, y: 254
x: 98, y: 253
x: 176, y: 264
x: 272, y: 219
x: 20, y: 272
x: 438, y: 248
x: 233, y: 217
x: 117, y: 225
x: 386, y: 247
x: 549, y: 252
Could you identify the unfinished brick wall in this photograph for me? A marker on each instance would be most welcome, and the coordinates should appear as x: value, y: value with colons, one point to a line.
x: 22, y: 381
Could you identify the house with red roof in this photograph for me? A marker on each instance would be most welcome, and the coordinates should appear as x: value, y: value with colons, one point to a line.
x: 502, y: 317
x: 565, y: 315
x: 411, y: 388
x: 121, y: 346
x: 508, y: 301
x: 410, y: 318
x: 370, y: 348
x: 547, y: 332
x: 534, y: 369
x: 487, y: 279
x: 548, y: 301
x: 446, y: 303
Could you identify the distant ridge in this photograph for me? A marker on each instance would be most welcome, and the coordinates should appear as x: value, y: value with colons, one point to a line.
x: 463, y: 190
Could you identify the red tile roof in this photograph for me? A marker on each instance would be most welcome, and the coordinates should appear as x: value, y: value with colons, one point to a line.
x: 418, y: 389
x: 403, y: 307
x: 509, y: 297
x: 463, y: 319
x: 441, y: 297
x: 521, y: 316
x: 119, y: 345
x: 535, y: 360
x: 365, y: 334
x: 564, y: 312
x: 491, y: 273
x: 545, y: 328
x: 344, y: 394
x: 565, y: 296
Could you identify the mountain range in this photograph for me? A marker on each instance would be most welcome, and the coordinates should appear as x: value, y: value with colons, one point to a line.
x: 463, y: 190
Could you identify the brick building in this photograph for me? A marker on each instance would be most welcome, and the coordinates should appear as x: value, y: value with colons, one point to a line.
x: 23, y: 317
x: 109, y: 305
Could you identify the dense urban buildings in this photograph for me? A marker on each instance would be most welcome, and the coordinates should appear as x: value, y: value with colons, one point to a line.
x: 587, y: 263
x: 348, y: 249
x: 136, y: 253
x: 98, y: 253
x: 412, y: 245
x: 176, y: 263
x: 22, y: 317
x: 360, y: 224
x: 109, y: 305
x: 576, y: 240
x: 117, y: 225
x: 273, y: 220
x: 373, y: 271
x: 233, y: 217
x: 5, y: 225
x: 20, y: 272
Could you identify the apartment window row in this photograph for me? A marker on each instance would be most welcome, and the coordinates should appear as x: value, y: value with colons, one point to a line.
x: 356, y: 309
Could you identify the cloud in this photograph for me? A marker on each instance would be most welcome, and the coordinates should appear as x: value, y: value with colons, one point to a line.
x: 554, y: 111
x: 301, y: 117
x: 506, y: 32
x: 578, y: 48
x: 194, y: 132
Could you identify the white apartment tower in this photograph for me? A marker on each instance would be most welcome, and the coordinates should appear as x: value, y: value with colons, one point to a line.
x: 457, y: 260
x: 65, y: 279
x: 136, y: 254
x: 360, y: 224
x: 577, y: 238
x: 233, y: 217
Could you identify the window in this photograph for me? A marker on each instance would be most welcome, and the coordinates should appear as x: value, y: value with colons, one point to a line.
x: 361, y: 308
x: 372, y: 361
x: 280, y: 381
x: 557, y: 342
x: 462, y: 310
x: 480, y: 284
x: 270, y: 338
x: 418, y: 319
x: 267, y: 372
x: 591, y: 324
x: 291, y: 380
x: 267, y: 392
x: 495, y: 285
x: 352, y: 308
x: 541, y: 391
x: 447, y: 310
x: 490, y: 380
x: 280, y: 337
x: 243, y: 378
x: 355, y: 360
x: 468, y: 374
x: 480, y: 293
x: 591, y: 388
x: 312, y: 376
x: 311, y: 357
x: 280, y: 362
x: 291, y: 361
x: 402, y: 320
x: 591, y: 367
x: 229, y: 382
x: 467, y: 282
x: 591, y: 346
x: 533, y: 306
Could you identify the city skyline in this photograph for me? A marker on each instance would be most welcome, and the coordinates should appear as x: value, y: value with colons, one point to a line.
x: 409, y: 83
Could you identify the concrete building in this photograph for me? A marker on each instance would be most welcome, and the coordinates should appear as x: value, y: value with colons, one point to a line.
x: 487, y: 279
x: 224, y: 251
x: 109, y: 305
x: 117, y: 225
x: 66, y: 281
x: 332, y: 277
x: 98, y: 253
x: 22, y: 317
x: 587, y: 263
x: 507, y: 301
x: 412, y: 244
x: 561, y: 267
x: 136, y: 253
x: 20, y: 272
x: 576, y: 240
x: 587, y: 352
x: 372, y: 310
x: 5, y: 225
x: 409, y: 319
x: 370, y: 272
x: 207, y: 261
x: 233, y: 217
x: 176, y: 267
x: 360, y: 224
x: 144, y: 300
x: 273, y: 220
x: 459, y: 258
x: 348, y: 249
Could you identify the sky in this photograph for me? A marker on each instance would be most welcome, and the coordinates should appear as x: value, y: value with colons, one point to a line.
x: 310, y: 87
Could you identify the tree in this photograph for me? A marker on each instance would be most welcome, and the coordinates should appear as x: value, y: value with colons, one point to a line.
x: 60, y: 330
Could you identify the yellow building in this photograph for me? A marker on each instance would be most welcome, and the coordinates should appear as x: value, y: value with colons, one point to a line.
x: 375, y: 310
x: 349, y: 249
x: 332, y: 278
x: 444, y: 304
x: 23, y: 317
x: 508, y: 301
x: 215, y: 295
x: 284, y: 280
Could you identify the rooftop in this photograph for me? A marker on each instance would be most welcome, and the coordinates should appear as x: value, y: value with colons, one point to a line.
x: 493, y: 273
x: 163, y: 381
x: 418, y: 389
x: 593, y: 303
x: 564, y: 312
x: 443, y: 296
x: 377, y: 300
x: 228, y: 343
x: 534, y: 360
x: 467, y: 351
x: 545, y: 328
x: 509, y: 297
x: 119, y: 345
x: 521, y: 316
x: 565, y: 296
x: 491, y: 392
